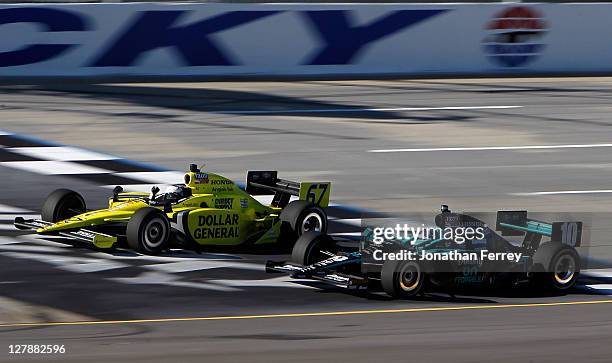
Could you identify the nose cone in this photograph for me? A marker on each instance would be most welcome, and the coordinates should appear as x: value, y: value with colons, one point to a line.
x: 77, y: 221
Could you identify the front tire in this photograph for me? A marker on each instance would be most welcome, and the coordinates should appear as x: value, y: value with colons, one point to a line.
x: 148, y: 231
x: 310, y: 248
x: 555, y: 267
x: 62, y: 204
x: 402, y: 279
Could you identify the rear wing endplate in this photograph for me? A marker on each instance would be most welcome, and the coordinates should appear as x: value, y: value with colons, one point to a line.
x: 516, y: 223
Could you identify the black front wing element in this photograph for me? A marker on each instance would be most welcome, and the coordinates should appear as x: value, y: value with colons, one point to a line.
x: 325, y: 271
x: 82, y: 235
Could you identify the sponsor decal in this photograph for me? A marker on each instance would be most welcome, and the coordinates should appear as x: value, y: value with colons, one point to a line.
x: 515, y: 36
x: 343, y: 40
x: 341, y: 37
x: 47, y: 20
x: 221, y: 182
x: 244, y: 203
x: 201, y: 178
x: 217, y: 226
x: 224, y: 203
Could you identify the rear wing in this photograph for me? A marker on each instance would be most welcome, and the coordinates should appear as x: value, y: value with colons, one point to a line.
x: 268, y: 183
x: 516, y: 223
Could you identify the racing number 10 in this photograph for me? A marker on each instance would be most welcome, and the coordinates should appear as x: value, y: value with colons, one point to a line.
x: 312, y: 195
x: 569, y: 233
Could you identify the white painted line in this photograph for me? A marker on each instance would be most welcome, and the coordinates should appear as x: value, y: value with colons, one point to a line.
x: 131, y: 256
x: 186, y: 266
x: 597, y: 273
x: 34, y: 238
x: 281, y: 281
x: 600, y: 287
x: 160, y: 278
x: 72, y: 264
x: 484, y: 148
x: 138, y: 187
x: 162, y: 177
x: 4, y: 209
x: 53, y: 167
x: 603, y: 289
x: 8, y: 227
x: 558, y: 192
x: 28, y: 248
x: 362, y: 109
x: 9, y: 241
x: 61, y: 153
x: 11, y: 217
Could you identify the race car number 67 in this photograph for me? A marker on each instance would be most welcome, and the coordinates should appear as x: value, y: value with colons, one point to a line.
x: 311, y: 195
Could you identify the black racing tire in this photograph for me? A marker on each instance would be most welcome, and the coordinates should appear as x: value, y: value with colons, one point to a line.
x: 62, y: 204
x: 148, y: 231
x: 555, y: 267
x: 300, y: 217
x: 307, y: 249
x: 402, y: 279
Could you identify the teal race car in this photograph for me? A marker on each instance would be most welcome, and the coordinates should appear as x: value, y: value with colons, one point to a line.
x: 547, y: 258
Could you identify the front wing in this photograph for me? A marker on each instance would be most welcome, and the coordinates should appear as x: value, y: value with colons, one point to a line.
x: 99, y: 240
x: 325, y: 271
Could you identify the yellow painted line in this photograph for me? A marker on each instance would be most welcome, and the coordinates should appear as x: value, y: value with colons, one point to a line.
x: 298, y: 315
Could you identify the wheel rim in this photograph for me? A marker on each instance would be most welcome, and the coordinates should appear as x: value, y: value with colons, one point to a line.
x: 155, y: 233
x: 409, y: 277
x: 565, y: 269
x: 312, y: 222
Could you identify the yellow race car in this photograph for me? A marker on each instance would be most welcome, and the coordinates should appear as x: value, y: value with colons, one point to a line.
x: 207, y: 209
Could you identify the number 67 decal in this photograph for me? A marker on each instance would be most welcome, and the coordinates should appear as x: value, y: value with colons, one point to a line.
x: 316, y: 193
x: 568, y: 233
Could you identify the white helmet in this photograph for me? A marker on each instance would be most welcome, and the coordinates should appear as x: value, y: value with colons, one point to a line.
x: 172, y: 189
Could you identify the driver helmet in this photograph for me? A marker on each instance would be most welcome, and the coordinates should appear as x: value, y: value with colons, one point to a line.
x: 173, y: 189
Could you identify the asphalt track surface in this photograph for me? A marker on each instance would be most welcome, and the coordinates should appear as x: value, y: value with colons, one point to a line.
x: 536, y: 144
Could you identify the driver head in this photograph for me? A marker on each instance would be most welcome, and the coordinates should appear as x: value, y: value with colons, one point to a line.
x: 172, y: 189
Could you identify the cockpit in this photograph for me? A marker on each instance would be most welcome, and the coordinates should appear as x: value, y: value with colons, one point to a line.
x: 172, y: 194
x: 489, y: 239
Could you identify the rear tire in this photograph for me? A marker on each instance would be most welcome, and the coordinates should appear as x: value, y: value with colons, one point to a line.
x: 402, y: 279
x: 300, y: 217
x: 555, y: 267
x: 62, y: 204
x: 148, y: 231
x: 307, y: 249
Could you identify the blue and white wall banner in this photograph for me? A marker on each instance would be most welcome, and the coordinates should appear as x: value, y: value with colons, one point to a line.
x: 148, y: 39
